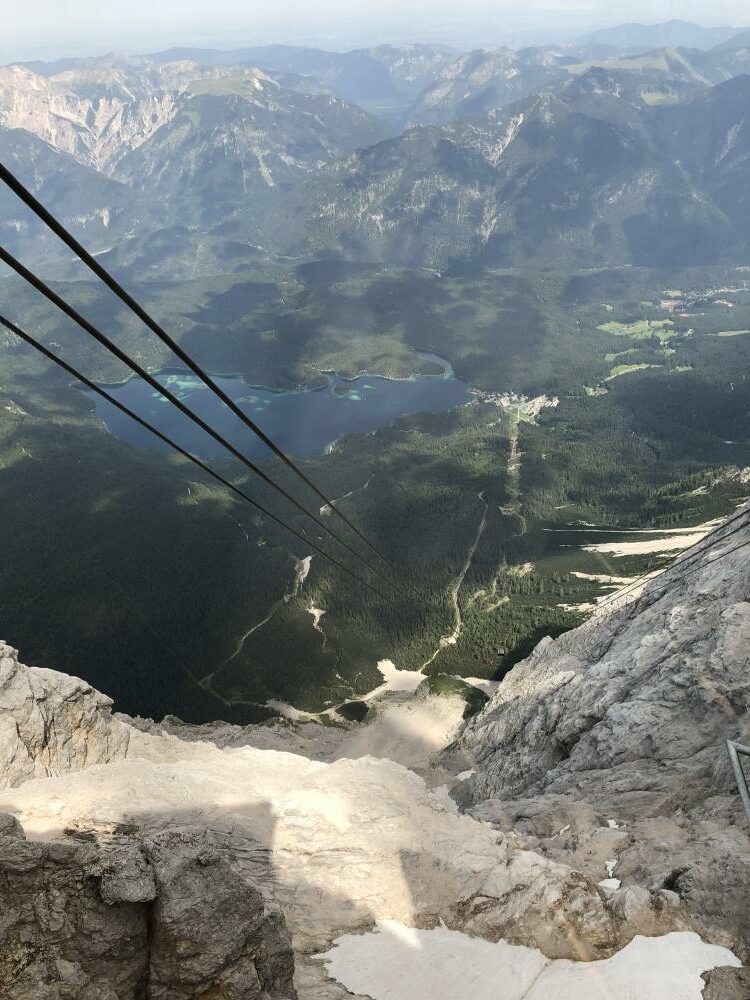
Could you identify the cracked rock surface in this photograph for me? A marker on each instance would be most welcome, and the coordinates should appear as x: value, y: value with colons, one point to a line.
x: 51, y: 723
x: 108, y: 915
x: 605, y: 749
x: 598, y: 804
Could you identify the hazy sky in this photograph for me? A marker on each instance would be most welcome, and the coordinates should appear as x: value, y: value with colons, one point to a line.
x: 50, y: 28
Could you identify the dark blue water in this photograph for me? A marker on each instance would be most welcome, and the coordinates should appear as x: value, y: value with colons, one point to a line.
x: 301, y: 421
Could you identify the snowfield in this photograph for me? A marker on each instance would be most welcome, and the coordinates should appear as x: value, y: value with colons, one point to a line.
x: 395, y: 962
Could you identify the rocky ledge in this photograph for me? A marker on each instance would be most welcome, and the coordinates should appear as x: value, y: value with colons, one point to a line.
x: 109, y: 915
x: 606, y: 749
x: 588, y: 813
x: 51, y: 723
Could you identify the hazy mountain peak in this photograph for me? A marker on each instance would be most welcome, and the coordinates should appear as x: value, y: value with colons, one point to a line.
x: 635, y: 37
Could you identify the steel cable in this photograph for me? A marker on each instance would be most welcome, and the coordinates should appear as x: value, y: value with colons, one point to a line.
x: 22, y: 335
x: 80, y: 251
x: 122, y: 356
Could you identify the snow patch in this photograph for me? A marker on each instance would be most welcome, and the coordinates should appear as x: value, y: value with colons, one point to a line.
x: 610, y: 884
x: 395, y: 962
x: 395, y: 680
x: 408, y: 732
x: 489, y: 687
x: 651, y: 545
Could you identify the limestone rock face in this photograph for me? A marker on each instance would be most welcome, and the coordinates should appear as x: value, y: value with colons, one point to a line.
x: 117, y: 917
x: 727, y: 983
x: 600, y: 800
x: 605, y: 749
x: 97, y: 114
x: 349, y: 843
x: 211, y: 929
x: 51, y: 723
x: 58, y: 936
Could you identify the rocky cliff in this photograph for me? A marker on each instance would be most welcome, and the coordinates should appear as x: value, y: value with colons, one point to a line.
x: 115, y: 831
x: 51, y: 723
x: 137, y: 863
x: 97, y: 112
x: 108, y: 914
x: 606, y: 749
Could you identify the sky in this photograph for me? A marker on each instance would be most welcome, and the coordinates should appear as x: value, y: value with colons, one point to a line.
x: 47, y: 29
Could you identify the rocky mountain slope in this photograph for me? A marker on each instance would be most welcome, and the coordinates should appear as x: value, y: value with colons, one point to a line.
x: 96, y: 111
x: 625, y: 720
x: 385, y: 79
x: 312, y: 820
x: 236, y: 146
x: 532, y: 155
x: 102, y: 210
x: 168, y: 160
x: 601, y: 806
x: 100, y: 114
x: 479, y: 81
x: 583, y: 175
x: 482, y: 81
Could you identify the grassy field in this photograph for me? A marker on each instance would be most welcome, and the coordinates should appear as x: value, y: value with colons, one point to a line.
x: 626, y: 369
x: 642, y: 329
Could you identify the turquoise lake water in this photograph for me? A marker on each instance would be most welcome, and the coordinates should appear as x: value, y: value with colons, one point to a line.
x: 302, y: 421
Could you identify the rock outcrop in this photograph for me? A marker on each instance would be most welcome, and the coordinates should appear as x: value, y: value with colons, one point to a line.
x: 115, y: 916
x: 349, y: 843
x: 51, y: 723
x: 314, y: 819
x: 600, y: 804
x: 183, y: 830
x: 605, y: 749
x: 94, y: 113
x: 727, y: 983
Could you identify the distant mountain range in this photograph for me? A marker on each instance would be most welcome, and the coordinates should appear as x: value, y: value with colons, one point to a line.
x: 384, y: 79
x: 186, y: 166
x: 630, y: 39
x: 586, y: 175
x: 237, y: 146
x: 131, y: 148
x: 481, y: 81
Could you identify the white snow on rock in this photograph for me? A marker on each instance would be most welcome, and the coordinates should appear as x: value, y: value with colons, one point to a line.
x: 610, y: 884
x: 395, y: 680
x: 394, y: 962
x: 408, y: 731
x: 489, y: 687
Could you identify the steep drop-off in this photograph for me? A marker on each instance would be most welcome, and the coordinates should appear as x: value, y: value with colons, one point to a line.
x: 606, y: 749
x: 601, y: 803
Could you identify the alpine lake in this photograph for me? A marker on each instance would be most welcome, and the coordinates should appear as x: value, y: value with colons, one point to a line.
x: 306, y: 420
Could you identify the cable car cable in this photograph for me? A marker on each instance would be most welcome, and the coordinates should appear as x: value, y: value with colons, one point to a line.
x: 22, y: 335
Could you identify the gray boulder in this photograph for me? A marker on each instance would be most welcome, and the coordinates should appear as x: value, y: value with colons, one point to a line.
x: 727, y: 983
x: 106, y: 915
x: 212, y: 931
x: 51, y: 723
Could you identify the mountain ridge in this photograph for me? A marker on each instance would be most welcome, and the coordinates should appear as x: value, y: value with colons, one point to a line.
x: 675, y: 33
x: 516, y: 184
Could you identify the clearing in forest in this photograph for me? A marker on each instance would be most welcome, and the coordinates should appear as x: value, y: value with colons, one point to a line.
x: 624, y: 369
x: 642, y: 329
